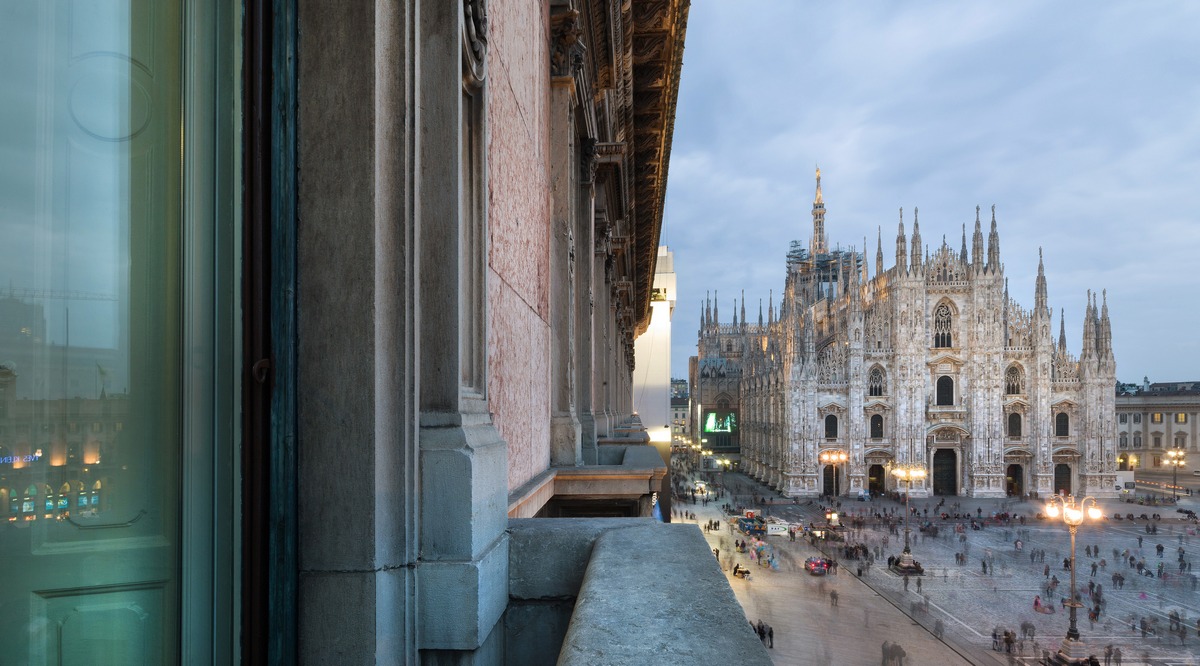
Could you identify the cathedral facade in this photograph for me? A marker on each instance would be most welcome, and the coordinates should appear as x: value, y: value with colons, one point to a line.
x: 929, y: 362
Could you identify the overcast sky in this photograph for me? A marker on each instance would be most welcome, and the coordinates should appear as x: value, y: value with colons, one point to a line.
x: 1080, y: 121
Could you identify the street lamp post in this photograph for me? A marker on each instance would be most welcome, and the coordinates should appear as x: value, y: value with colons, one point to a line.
x: 908, y: 474
x: 1072, y: 651
x: 1176, y: 458
x: 833, y: 458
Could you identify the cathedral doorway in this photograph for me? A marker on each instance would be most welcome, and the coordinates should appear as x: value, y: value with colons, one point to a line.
x: 945, y: 472
x: 827, y: 481
x: 876, y: 479
x: 1014, y: 482
x: 1062, y: 478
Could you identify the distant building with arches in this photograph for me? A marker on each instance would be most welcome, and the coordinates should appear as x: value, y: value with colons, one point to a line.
x: 929, y: 362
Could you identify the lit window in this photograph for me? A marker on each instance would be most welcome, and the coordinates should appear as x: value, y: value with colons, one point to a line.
x: 1156, y: 417
x: 1181, y: 418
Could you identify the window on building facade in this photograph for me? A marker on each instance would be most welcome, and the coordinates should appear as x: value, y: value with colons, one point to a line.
x: 1123, y: 418
x: 942, y: 326
x: 876, y: 426
x: 1158, y: 441
x: 1181, y: 417
x: 1124, y: 441
x: 1137, y: 418
x: 831, y: 427
x: 1062, y: 425
x: 1156, y: 417
x: 1181, y: 441
x: 1137, y: 440
x: 1014, y: 425
x: 1014, y: 383
x: 875, y: 384
x: 945, y: 391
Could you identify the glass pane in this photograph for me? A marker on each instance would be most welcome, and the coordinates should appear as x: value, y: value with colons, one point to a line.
x: 90, y: 274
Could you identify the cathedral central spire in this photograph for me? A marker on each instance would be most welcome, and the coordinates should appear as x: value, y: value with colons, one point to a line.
x: 818, y: 212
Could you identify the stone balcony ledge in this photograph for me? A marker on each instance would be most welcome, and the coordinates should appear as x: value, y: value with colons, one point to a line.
x: 620, y: 591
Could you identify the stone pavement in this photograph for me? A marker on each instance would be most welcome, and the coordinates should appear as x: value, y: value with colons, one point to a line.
x: 968, y: 603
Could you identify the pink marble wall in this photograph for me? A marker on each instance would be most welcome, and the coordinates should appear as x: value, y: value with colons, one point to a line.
x: 519, y: 227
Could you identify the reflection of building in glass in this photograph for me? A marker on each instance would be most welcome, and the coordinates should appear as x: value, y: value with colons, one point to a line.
x: 57, y: 457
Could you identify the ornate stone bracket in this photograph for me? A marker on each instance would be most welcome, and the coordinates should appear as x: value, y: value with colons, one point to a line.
x: 566, y: 48
x: 474, y: 43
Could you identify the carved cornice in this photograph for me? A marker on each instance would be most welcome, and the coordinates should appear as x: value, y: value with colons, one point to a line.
x: 656, y: 46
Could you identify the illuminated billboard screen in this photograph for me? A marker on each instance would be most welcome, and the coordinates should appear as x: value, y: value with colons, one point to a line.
x: 720, y: 421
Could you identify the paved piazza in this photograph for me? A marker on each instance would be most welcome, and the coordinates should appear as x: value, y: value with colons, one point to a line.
x: 968, y: 603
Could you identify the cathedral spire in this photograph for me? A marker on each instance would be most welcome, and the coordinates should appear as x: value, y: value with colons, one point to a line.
x: 743, y: 306
x: 916, y: 241
x: 1105, y: 329
x: 865, y: 276
x: 963, y: 254
x: 707, y: 310
x: 760, y: 319
x: 993, y: 262
x: 716, y: 308
x: 1039, y: 297
x: 735, y: 312
x: 818, y: 213
x: 977, y: 245
x: 879, y: 251
x: 1062, y: 330
x: 1089, y: 330
x: 901, y: 246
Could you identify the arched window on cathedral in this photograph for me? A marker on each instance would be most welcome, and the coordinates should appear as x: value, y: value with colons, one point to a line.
x: 876, y: 426
x: 831, y: 427
x: 941, y: 326
x: 945, y: 391
x: 1014, y: 383
x: 1062, y: 425
x: 875, y: 382
x: 1014, y: 425
x: 729, y: 347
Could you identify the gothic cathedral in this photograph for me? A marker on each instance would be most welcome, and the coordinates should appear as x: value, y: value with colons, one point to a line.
x: 929, y: 362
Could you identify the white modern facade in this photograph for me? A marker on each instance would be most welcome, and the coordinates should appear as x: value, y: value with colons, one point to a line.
x: 652, y: 354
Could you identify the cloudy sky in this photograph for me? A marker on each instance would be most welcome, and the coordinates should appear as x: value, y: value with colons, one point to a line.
x: 1079, y: 121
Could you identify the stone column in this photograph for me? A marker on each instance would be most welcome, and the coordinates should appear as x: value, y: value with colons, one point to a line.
x: 462, y: 572
x: 357, y: 300
x: 600, y: 336
x: 565, y: 447
x: 585, y: 233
